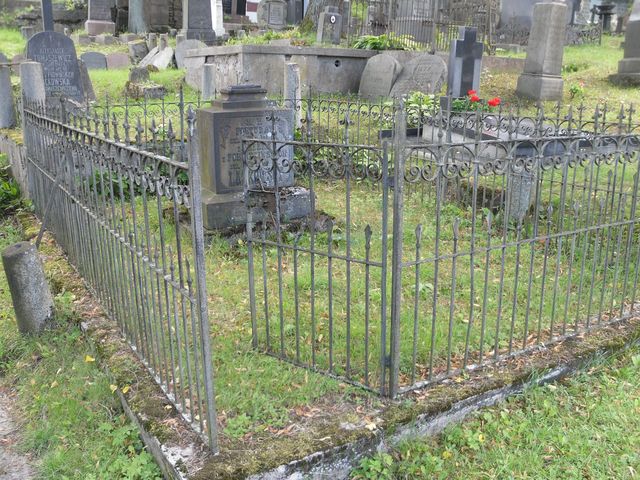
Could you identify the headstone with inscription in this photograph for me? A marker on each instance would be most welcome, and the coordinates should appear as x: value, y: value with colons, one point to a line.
x: 197, y: 20
x: 542, y: 79
x: 465, y: 63
x: 100, y: 20
x: 272, y: 14
x: 94, y: 60
x: 329, y: 26
x: 57, y: 54
x: 243, y: 113
x: 424, y: 73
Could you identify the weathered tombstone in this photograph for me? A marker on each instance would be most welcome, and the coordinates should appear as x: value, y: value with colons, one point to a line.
x: 183, y: 47
x: 181, y: 37
x: 106, y: 39
x: 197, y: 20
x: 272, y: 14
x: 87, y: 86
x: 146, y: 61
x: 118, y: 60
x: 99, y: 17
x: 208, y: 81
x: 242, y: 113
x: 293, y: 90
x: 465, y: 63
x: 629, y: 66
x: 57, y: 54
x: 163, y: 59
x: 329, y: 26
x: 163, y: 41
x: 27, y: 32
x: 152, y: 41
x: 138, y: 50
x: 541, y: 79
x: 139, y: 75
x: 423, y: 73
x: 379, y: 75
x: 7, y: 108
x: 94, y: 60
x: 32, y: 82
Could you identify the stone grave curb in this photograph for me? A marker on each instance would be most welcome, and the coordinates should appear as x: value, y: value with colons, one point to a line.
x: 181, y: 454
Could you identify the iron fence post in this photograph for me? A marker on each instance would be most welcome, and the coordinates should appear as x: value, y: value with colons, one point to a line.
x: 399, y: 142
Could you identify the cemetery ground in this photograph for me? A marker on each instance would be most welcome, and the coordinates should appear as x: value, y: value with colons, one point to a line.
x: 273, y: 411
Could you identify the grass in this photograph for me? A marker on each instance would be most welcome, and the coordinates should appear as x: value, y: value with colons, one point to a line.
x: 585, y: 427
x: 11, y: 42
x: 72, y: 422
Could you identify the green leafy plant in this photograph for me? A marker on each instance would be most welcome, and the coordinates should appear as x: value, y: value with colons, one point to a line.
x: 473, y: 103
x: 386, y: 42
x: 576, y: 90
x: 420, y: 105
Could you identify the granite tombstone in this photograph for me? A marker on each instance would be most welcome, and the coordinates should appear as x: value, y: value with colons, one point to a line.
x: 423, y: 73
x: 272, y: 14
x: 57, y: 54
x: 94, y: 60
x: 379, y: 75
x: 329, y: 26
x: 197, y: 20
x: 629, y: 66
x: 99, y: 17
x: 465, y: 63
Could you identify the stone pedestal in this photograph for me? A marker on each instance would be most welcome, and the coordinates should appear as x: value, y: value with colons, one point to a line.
x: 541, y: 79
x: 243, y: 113
x: 629, y: 66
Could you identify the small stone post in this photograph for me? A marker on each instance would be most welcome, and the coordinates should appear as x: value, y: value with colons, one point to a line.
x: 541, y: 79
x: 293, y: 90
x: 208, y: 81
x: 7, y: 109
x: 32, y: 84
x: 32, y: 300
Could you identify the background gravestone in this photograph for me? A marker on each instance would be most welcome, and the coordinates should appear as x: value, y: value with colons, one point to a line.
x: 329, y: 26
x: 541, y: 79
x: 99, y: 17
x: 465, y: 63
x: 57, y: 54
x: 138, y: 50
x: 424, y: 73
x: 272, y: 14
x: 94, y: 60
x: 629, y: 66
x: 183, y: 47
x: 379, y: 75
x: 197, y: 20
x: 118, y: 60
x: 7, y: 109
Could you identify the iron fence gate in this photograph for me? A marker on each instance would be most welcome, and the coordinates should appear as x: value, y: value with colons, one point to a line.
x: 484, y: 236
x: 130, y: 221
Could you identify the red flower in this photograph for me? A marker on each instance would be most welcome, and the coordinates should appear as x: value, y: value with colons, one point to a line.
x: 494, y: 102
x: 471, y: 92
x: 475, y: 98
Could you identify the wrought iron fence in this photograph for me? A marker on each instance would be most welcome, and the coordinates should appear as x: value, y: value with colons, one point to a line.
x: 515, y: 33
x: 484, y: 236
x: 130, y: 221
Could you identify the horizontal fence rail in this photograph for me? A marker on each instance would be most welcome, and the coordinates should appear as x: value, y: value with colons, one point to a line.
x: 130, y: 221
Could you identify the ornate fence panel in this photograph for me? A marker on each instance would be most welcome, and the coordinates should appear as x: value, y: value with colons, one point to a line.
x: 130, y: 221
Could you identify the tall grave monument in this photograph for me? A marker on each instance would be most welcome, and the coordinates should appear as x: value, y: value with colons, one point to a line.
x: 465, y: 63
x: 198, y: 20
x: 99, y: 20
x: 541, y: 79
x: 57, y: 54
x: 629, y: 66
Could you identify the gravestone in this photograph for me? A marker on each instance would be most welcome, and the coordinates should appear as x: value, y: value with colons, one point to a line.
x: 272, y: 14
x: 163, y: 59
x: 197, y: 20
x: 94, y: 60
x: 46, y: 9
x: 329, y: 26
x: 183, y: 47
x: 57, y: 54
x: 138, y: 50
x: 293, y: 90
x: 423, y: 73
x: 295, y: 12
x: 208, y: 81
x: 118, y: 60
x: 629, y: 66
x: 243, y: 112
x: 379, y: 75
x: 99, y: 17
x: 541, y: 79
x: 27, y: 32
x: 465, y: 63
x: 146, y: 61
x: 106, y: 39
x: 163, y: 41
x: 152, y: 41
x: 7, y: 108
x: 87, y: 86
x: 32, y: 82
x: 139, y: 75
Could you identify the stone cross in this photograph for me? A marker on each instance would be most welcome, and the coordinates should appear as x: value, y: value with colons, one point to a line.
x: 47, y: 15
x: 465, y: 63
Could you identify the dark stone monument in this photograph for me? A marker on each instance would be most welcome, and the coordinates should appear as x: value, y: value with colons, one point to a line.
x: 100, y: 20
x: 94, y: 60
x: 329, y: 26
x: 465, y: 63
x: 57, y: 54
x: 198, y: 21
x: 47, y: 15
x: 272, y: 14
x: 243, y: 113
x: 295, y: 12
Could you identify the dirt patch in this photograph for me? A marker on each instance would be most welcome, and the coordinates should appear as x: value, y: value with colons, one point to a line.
x: 13, y: 465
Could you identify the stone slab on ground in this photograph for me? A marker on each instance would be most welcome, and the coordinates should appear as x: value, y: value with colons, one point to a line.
x: 164, y: 59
